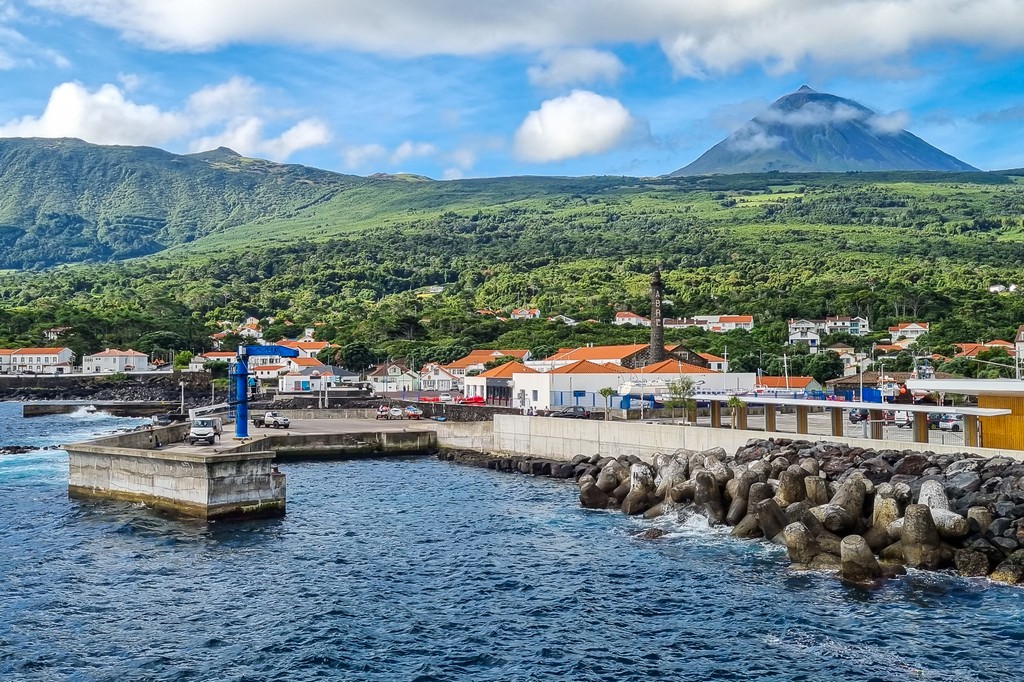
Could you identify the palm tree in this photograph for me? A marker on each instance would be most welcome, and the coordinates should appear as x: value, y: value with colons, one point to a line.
x: 735, y: 405
x: 607, y: 392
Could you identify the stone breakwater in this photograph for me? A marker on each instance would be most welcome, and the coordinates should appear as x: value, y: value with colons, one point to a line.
x: 861, y: 513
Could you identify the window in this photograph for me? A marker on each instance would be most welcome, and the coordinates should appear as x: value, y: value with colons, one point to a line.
x: 534, y: 395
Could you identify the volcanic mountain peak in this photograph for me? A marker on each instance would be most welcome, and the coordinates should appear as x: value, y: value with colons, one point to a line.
x: 811, y: 131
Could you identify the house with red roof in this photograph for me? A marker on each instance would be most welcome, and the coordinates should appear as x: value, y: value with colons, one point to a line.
x: 391, y: 377
x: 496, y: 385
x: 476, y: 360
x: 908, y: 332
x: 629, y: 318
x: 630, y: 356
x: 787, y: 385
x: 42, y: 361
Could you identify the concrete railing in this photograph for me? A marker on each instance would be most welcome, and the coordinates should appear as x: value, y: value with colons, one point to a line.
x: 561, y: 439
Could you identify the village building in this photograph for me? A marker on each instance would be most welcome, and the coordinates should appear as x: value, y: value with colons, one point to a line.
x: 525, y: 314
x: 787, y: 385
x: 628, y: 318
x: 42, y: 361
x: 497, y: 385
x: 392, y: 377
x: 630, y: 356
x: 114, y: 360
x: 907, y: 332
x: 477, y: 360
x: 314, y: 380
x: 855, y: 326
x: 435, y: 377
x: 5, y: 360
x: 196, y: 364
x: 713, y: 323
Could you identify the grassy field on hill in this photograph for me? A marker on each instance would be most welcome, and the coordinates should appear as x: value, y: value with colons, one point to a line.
x: 891, y: 246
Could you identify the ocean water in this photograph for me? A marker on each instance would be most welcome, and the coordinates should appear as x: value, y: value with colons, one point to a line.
x: 416, y: 569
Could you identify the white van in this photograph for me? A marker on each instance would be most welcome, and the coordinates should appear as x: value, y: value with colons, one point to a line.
x: 205, y: 429
x: 903, y: 419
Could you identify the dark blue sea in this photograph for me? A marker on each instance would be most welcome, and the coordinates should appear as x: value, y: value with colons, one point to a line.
x: 417, y: 569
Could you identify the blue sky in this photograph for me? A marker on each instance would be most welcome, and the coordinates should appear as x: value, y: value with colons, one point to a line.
x: 468, y: 88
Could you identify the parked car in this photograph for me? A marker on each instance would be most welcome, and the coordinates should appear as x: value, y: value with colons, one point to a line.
x: 858, y: 415
x: 169, y: 418
x: 573, y: 412
x: 952, y: 422
x: 903, y: 419
x: 445, y: 397
x: 933, y: 420
x: 413, y: 412
x: 395, y: 413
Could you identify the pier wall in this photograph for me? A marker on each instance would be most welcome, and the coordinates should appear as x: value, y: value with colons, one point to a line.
x: 332, y: 446
x: 562, y: 439
x: 208, y: 486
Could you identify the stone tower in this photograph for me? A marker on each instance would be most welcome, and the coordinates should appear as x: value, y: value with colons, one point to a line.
x: 657, y: 350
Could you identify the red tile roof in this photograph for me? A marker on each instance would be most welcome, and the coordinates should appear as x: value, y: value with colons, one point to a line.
x: 38, y: 351
x: 506, y: 371
x: 480, y: 357
x: 784, y: 383
x: 675, y: 367
x: 587, y: 367
x: 602, y: 352
x: 711, y: 357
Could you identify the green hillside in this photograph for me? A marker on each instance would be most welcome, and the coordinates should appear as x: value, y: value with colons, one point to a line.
x: 66, y: 201
x: 354, y: 253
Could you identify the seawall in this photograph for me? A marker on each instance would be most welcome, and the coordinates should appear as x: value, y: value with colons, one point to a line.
x: 562, y: 439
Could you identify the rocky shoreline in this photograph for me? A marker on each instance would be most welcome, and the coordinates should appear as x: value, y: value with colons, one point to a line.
x: 864, y: 514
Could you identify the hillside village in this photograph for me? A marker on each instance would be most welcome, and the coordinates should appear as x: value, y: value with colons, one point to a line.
x: 590, y: 375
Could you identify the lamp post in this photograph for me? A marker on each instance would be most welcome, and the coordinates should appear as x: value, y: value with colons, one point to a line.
x: 182, y: 385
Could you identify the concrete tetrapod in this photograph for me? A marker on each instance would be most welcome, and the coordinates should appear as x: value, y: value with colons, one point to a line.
x: 919, y: 538
x: 641, y: 490
x: 707, y: 497
x: 858, y: 563
x: 800, y: 544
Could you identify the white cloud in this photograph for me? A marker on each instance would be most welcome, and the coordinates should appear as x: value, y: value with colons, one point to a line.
x: 411, y: 150
x: 699, y: 38
x: 576, y: 67
x: 577, y: 124
x: 891, y: 123
x: 227, y: 114
x: 361, y: 156
x: 102, y: 117
x: 752, y: 138
x: 814, y: 114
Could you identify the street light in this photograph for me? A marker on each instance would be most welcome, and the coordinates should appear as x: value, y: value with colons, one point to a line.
x: 182, y: 385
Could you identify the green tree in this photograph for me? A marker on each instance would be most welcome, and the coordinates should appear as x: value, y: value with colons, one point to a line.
x: 182, y: 359
x: 607, y: 392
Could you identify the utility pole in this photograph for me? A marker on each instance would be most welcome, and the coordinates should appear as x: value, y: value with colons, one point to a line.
x: 785, y: 369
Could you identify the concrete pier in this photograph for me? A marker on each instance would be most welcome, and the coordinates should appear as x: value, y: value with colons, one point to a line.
x: 228, y: 480
x: 182, y: 481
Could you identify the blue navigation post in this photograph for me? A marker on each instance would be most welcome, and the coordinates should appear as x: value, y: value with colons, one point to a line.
x: 238, y: 383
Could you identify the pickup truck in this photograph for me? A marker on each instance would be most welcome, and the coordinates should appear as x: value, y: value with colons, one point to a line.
x: 274, y: 419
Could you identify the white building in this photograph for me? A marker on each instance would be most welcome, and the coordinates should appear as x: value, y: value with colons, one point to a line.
x: 435, y: 377
x: 713, y: 323
x: 314, y: 380
x: 578, y: 383
x: 525, y: 314
x: 628, y: 318
x: 5, y: 360
x: 197, y: 361
x: 307, y: 349
x: 910, y: 331
x: 115, y: 360
x: 393, y: 377
x: 812, y: 339
x: 857, y: 326
x: 42, y: 360
x: 715, y: 362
